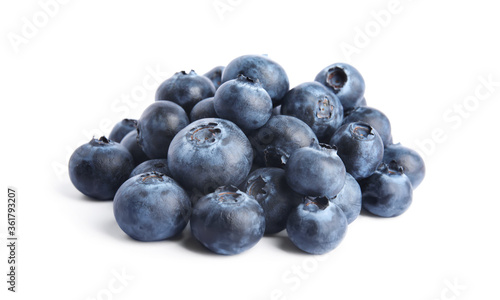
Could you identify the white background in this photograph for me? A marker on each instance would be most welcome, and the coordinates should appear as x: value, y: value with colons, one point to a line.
x: 82, y: 69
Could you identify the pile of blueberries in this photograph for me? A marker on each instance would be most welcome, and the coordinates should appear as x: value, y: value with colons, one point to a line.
x: 239, y: 154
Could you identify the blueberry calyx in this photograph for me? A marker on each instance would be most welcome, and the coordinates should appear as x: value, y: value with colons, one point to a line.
x: 257, y: 188
x: 362, y: 131
x: 336, y: 79
x: 246, y: 79
x: 205, y: 134
x: 330, y: 149
x: 324, y: 108
x: 313, y: 204
x: 391, y: 168
x: 228, y: 194
x: 273, y: 154
x: 192, y: 72
x: 148, y: 177
x: 102, y: 141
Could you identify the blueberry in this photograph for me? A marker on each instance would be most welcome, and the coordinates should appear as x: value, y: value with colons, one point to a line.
x: 346, y: 82
x: 374, y: 118
x: 279, y: 138
x: 244, y: 102
x: 158, y: 125
x: 228, y: 221
x: 215, y: 76
x: 151, y: 207
x: 210, y: 153
x: 268, y: 186
x: 203, y: 109
x: 360, y: 147
x: 98, y: 168
x: 316, y: 106
x: 159, y: 165
x: 315, y: 171
x: 388, y: 192
x: 185, y: 89
x: 270, y: 74
x: 316, y: 226
x: 130, y: 142
x: 349, y: 198
x: 412, y: 163
x: 121, y: 129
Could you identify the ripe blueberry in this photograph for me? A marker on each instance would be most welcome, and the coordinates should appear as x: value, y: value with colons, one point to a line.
x: 228, y: 221
x: 98, y: 168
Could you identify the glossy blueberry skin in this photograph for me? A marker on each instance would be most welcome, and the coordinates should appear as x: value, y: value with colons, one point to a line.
x: 377, y: 119
x: 185, y: 89
x: 412, y: 163
x: 244, y: 102
x: 349, y: 198
x: 210, y: 153
x: 360, y: 148
x: 316, y: 226
x: 318, y: 107
x: 98, y: 168
x: 268, y: 186
x: 346, y: 82
x: 228, y: 221
x: 388, y: 192
x: 203, y: 109
x: 159, y: 165
x: 315, y: 171
x: 270, y: 74
x: 121, y: 129
x: 279, y: 138
x: 130, y: 142
x: 215, y: 76
x: 151, y: 207
x: 158, y: 125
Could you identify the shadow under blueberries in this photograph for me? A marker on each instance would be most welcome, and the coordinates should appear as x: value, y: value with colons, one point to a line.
x: 71, y: 192
x: 191, y: 244
x: 282, y: 241
x: 366, y: 213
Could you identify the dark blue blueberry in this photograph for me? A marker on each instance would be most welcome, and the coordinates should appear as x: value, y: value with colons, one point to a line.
x: 151, y: 207
x: 412, y: 163
x: 279, y: 138
x: 215, y: 76
x: 316, y: 106
x: 268, y: 186
x: 228, y: 221
x: 388, y: 192
x: 244, y: 102
x: 158, y: 125
x: 130, y: 142
x: 270, y: 74
x: 346, y: 82
x: 360, y: 147
x: 121, y: 129
x: 315, y: 171
x: 203, y: 109
x: 375, y: 118
x: 316, y: 226
x: 98, y: 168
x: 159, y: 165
x: 209, y: 153
x: 349, y: 198
x: 185, y: 89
